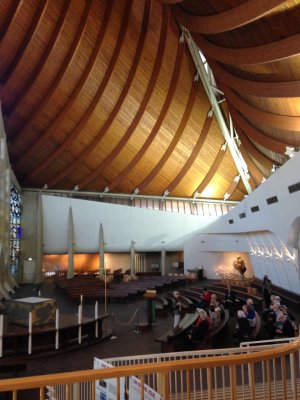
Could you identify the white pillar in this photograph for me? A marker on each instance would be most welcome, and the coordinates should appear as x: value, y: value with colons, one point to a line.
x: 132, y: 258
x: 70, y: 273
x: 163, y: 262
x: 101, y: 251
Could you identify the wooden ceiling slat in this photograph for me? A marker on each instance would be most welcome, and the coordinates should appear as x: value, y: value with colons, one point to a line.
x: 159, y: 121
x: 235, y: 17
x: 254, y: 134
x: 138, y: 116
x: 10, y: 17
x: 61, y: 75
x: 90, y: 110
x: 256, y: 175
x: 170, y: 1
x: 265, y: 53
x: 71, y: 137
x: 212, y: 171
x: 174, y: 141
x: 108, y: 160
x: 254, y: 152
x: 231, y: 189
x: 38, y: 16
x: 67, y: 142
x: 194, y: 154
x: 35, y: 73
x: 100, y: 134
x: 284, y: 122
x: 256, y: 88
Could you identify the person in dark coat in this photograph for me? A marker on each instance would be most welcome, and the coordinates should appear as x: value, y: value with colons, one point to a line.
x: 200, y: 327
x: 230, y: 300
x: 267, y: 290
x: 242, y: 328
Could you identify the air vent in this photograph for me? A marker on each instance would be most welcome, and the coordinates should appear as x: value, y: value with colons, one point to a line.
x: 230, y: 221
x: 272, y: 200
x: 242, y: 215
x: 255, y: 209
x: 294, y: 188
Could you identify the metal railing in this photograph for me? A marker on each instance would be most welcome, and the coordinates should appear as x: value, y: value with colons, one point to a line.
x: 258, y: 372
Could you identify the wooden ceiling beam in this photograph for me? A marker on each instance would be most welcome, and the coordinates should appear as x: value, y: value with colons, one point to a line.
x: 256, y: 175
x: 233, y: 186
x: 142, y: 107
x: 98, y: 137
x: 35, y: 73
x: 37, y: 18
x: 259, y: 137
x: 254, y: 152
x: 55, y: 84
x: 212, y: 170
x: 170, y: 94
x: 259, y: 54
x: 10, y: 17
x: 193, y: 155
x: 255, y: 88
x: 108, y: 122
x: 72, y: 99
x: 243, y: 14
x: 284, y: 122
x: 165, y: 108
x: 183, y: 123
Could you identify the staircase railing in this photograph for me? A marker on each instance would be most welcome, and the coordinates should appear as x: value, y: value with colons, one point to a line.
x: 258, y: 372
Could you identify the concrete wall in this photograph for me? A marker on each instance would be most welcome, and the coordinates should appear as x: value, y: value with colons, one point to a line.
x: 149, y: 229
x: 270, y: 236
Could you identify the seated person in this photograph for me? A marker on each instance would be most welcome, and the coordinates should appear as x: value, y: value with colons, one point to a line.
x: 242, y: 328
x: 205, y: 298
x: 200, y: 327
x: 214, y: 315
x: 230, y: 299
x: 249, y: 311
x: 269, y: 316
x: 291, y: 316
x: 219, y: 306
x: 283, y: 325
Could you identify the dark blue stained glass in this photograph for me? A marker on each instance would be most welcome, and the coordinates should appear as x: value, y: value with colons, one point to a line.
x: 15, y: 229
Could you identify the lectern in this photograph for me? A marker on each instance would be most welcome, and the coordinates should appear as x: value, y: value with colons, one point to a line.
x: 150, y: 294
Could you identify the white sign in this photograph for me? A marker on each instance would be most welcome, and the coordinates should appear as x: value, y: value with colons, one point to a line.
x: 106, y: 389
x: 135, y: 390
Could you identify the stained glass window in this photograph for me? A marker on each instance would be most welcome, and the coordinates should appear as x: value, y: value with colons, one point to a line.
x: 15, y: 229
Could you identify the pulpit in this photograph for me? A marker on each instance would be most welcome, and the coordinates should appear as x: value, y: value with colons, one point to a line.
x: 150, y: 294
x: 42, y: 309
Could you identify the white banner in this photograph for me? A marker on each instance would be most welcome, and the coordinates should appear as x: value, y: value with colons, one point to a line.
x: 135, y: 390
x: 107, y: 389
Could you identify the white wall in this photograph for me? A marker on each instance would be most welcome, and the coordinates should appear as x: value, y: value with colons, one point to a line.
x: 121, y: 224
x: 270, y: 236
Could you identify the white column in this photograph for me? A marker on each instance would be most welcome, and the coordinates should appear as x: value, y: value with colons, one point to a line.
x: 70, y: 273
x: 56, y: 329
x: 163, y: 262
x: 39, y: 241
x: 132, y: 258
x: 101, y: 251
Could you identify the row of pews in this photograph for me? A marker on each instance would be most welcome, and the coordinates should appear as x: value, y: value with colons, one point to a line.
x: 91, y: 287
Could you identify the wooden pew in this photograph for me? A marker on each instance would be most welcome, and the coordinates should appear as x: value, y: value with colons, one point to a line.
x: 210, y: 340
x: 170, y: 341
x: 240, y: 295
x: 161, y: 306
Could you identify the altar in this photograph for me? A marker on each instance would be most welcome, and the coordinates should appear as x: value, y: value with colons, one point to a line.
x: 42, y: 309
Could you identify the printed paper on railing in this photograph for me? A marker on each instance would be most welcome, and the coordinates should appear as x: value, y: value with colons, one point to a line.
x: 135, y: 390
x: 106, y: 389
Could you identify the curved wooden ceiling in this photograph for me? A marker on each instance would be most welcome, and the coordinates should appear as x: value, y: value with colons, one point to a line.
x: 100, y: 95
